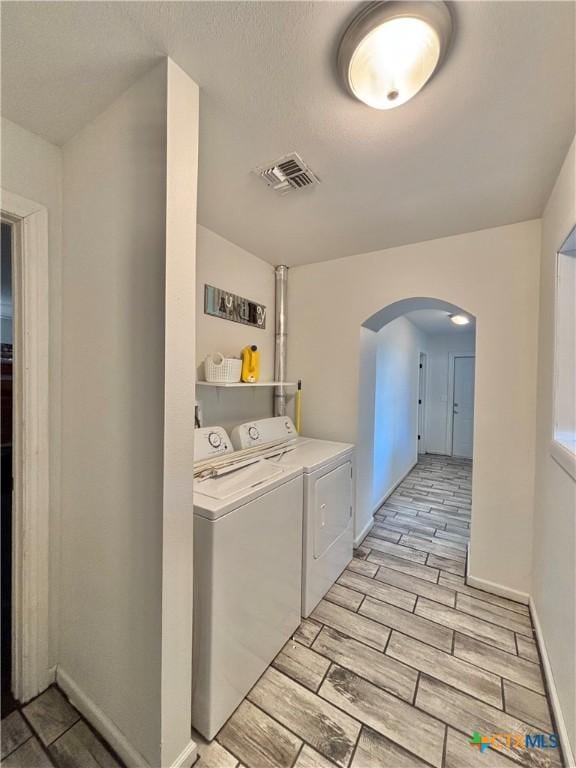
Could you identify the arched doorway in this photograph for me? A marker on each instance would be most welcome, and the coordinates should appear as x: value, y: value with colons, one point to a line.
x: 415, y: 431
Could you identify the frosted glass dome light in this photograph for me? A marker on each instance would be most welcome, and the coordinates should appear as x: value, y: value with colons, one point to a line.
x: 459, y: 319
x: 391, y: 50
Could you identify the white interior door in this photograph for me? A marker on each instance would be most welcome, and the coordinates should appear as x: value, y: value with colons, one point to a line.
x: 463, y: 407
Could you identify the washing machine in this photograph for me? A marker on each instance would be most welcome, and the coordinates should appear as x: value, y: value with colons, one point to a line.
x: 328, y: 498
x: 247, y: 572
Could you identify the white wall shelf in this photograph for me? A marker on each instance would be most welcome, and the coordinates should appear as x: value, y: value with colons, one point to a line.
x: 246, y: 384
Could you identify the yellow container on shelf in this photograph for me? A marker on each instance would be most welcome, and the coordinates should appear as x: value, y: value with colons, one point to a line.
x: 250, y: 364
x: 298, y: 407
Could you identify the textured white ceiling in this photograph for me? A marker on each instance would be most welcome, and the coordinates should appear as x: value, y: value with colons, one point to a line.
x: 434, y: 321
x: 480, y: 146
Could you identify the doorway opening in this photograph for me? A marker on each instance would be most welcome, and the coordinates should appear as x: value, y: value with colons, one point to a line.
x: 25, y: 484
x: 7, y: 387
x: 417, y: 371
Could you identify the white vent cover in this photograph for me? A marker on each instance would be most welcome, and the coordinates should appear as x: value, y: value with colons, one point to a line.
x: 290, y: 172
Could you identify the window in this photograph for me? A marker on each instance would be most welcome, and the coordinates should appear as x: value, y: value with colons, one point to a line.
x: 564, y: 443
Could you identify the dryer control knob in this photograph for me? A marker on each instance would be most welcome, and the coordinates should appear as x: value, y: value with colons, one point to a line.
x: 214, y: 439
x: 253, y: 433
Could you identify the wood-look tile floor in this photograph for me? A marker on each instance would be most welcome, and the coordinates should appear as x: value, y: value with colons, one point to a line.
x: 396, y: 668
x: 401, y: 662
x: 49, y: 733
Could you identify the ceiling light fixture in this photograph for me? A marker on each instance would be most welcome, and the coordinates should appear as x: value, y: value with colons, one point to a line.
x: 391, y: 50
x: 459, y: 319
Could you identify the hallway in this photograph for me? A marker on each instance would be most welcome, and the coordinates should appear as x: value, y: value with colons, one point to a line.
x: 402, y: 662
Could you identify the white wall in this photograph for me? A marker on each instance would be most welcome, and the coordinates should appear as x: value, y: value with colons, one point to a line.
x: 32, y: 168
x: 554, y: 544
x: 438, y: 382
x: 368, y: 348
x: 128, y: 378
x: 492, y: 274
x: 396, y: 405
x: 179, y: 384
x: 222, y: 264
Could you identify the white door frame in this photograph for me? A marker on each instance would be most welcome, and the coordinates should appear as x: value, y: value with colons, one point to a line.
x: 30, y: 510
x: 422, y: 395
x: 450, y: 415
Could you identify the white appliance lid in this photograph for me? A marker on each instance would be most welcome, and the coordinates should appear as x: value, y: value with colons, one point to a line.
x: 231, y: 491
x: 311, y: 454
x: 238, y: 481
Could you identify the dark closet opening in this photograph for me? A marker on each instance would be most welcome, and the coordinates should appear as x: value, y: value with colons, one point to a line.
x: 6, y: 346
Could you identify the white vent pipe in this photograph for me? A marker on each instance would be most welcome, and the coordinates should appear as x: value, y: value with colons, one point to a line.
x: 280, y: 351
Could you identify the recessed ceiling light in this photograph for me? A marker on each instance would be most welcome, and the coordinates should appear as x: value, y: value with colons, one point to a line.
x: 391, y: 50
x: 459, y: 319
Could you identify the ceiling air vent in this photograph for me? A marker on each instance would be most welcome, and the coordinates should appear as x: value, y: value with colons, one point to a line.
x: 290, y: 172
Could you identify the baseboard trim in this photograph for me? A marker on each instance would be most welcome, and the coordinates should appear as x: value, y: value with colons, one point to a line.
x: 497, y: 589
x: 389, y: 492
x: 101, y: 722
x: 52, y: 674
x: 187, y: 757
x: 561, y: 728
x: 364, y: 532
x: 362, y: 535
x: 490, y: 586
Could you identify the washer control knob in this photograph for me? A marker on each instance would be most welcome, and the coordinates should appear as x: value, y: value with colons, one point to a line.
x: 253, y: 433
x: 214, y: 439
